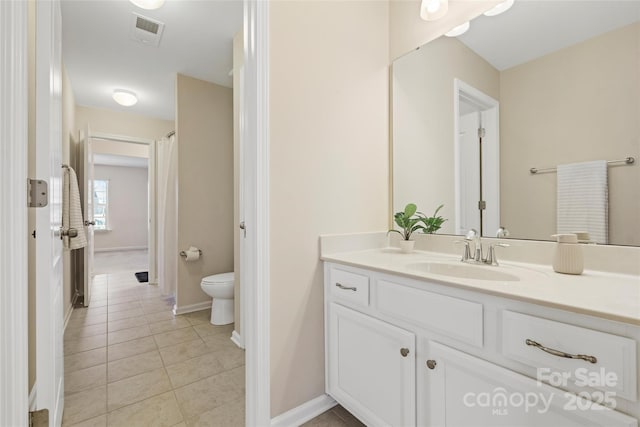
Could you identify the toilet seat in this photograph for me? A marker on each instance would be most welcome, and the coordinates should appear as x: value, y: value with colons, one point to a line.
x: 219, y: 279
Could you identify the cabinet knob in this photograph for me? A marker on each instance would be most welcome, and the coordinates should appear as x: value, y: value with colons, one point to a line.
x: 431, y: 364
x: 404, y: 352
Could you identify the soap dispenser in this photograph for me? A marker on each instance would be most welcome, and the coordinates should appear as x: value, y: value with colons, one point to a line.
x: 568, y: 257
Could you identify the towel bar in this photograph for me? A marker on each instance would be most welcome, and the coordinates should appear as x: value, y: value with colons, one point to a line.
x: 628, y: 161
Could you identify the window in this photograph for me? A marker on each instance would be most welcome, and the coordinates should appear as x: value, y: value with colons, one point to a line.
x: 101, y: 204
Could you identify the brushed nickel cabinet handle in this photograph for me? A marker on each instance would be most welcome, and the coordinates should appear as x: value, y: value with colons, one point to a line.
x: 346, y: 288
x: 404, y: 352
x: 559, y: 353
x: 431, y: 364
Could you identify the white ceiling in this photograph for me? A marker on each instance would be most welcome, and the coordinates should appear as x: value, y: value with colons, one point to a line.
x: 100, y: 56
x: 118, y: 160
x: 533, y: 28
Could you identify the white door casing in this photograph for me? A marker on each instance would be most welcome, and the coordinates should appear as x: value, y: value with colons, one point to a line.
x: 14, y: 357
x: 86, y: 178
x: 49, y: 283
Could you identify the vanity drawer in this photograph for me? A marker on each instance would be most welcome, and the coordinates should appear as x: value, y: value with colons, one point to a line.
x: 453, y: 317
x: 349, y: 286
x: 611, y: 360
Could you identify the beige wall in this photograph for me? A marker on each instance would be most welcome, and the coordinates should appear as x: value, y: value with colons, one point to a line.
x: 120, y: 123
x: 407, y: 31
x: 128, y: 208
x: 204, y: 130
x: 423, y: 152
x: 581, y: 104
x: 329, y: 82
x: 102, y: 146
x: 238, y: 64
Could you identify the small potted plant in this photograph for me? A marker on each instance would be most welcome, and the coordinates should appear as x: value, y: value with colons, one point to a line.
x: 410, y: 221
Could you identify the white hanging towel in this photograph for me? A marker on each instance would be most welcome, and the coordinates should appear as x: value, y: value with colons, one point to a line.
x: 71, y: 211
x: 583, y: 203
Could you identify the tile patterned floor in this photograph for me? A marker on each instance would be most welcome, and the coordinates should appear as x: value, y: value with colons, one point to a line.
x: 334, y: 417
x: 125, y: 261
x: 130, y: 362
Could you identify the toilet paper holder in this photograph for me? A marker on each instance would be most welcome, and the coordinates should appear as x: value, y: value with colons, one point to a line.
x: 183, y: 254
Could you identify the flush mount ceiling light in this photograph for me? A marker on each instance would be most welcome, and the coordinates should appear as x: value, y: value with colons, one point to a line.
x: 459, y: 30
x: 125, y: 98
x: 148, y: 4
x: 430, y: 10
x: 500, y: 8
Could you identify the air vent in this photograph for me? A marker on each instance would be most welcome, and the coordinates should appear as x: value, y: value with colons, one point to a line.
x: 146, y: 30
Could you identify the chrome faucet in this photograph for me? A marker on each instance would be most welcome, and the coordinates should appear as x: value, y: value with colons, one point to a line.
x: 473, y: 236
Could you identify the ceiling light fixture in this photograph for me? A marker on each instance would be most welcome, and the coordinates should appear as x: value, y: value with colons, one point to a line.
x: 500, y: 8
x: 430, y: 10
x: 459, y: 30
x: 125, y: 98
x: 148, y: 4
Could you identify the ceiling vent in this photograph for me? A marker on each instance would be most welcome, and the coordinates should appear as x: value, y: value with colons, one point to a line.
x: 146, y: 30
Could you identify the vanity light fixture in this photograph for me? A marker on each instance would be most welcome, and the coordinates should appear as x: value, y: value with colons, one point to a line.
x: 459, y: 30
x: 430, y: 10
x: 148, y: 4
x: 125, y: 98
x: 500, y: 8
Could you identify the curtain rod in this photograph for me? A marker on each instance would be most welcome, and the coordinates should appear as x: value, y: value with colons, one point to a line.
x: 628, y: 161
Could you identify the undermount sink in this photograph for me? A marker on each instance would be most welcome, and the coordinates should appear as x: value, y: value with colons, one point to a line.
x: 464, y: 271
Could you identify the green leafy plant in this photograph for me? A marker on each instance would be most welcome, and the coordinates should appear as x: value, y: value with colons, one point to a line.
x: 410, y: 221
x: 407, y: 221
x: 432, y: 223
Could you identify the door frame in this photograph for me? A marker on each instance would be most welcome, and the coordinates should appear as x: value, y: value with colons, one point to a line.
x: 14, y: 353
x: 256, y: 304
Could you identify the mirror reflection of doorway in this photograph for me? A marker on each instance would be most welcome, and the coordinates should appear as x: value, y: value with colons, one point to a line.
x: 477, y: 160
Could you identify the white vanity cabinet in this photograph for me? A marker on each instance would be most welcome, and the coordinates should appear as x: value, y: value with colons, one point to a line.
x: 404, y: 352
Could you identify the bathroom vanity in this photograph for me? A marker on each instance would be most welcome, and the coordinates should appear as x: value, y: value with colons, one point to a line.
x: 424, y: 340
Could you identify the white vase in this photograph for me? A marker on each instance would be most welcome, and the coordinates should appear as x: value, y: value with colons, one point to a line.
x: 406, y: 246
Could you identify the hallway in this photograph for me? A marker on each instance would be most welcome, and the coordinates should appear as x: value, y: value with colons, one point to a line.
x: 130, y: 362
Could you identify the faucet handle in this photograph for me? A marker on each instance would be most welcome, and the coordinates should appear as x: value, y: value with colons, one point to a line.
x: 467, y: 249
x: 491, y: 255
x: 502, y: 232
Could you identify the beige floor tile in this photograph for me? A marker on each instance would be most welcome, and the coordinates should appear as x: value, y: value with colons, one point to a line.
x: 137, y: 388
x: 72, y: 333
x: 156, y: 307
x: 347, y: 416
x: 199, y: 317
x: 230, y: 358
x: 98, y: 302
x: 84, y: 406
x: 207, y: 329
x: 157, y: 411
x: 80, y: 321
x: 88, y: 311
x: 123, y: 307
x: 327, y: 419
x: 134, y: 365
x: 195, y: 369
x: 128, y: 334
x: 131, y: 322
x: 168, y: 325
x: 85, y: 359
x: 183, y: 351
x: 182, y: 424
x: 231, y: 414
x: 159, y: 316
x: 100, y: 421
x: 165, y: 339
x: 206, y: 394
x: 125, y: 314
x: 84, y: 344
x: 130, y: 348
x: 219, y: 342
x: 83, y: 379
x: 123, y: 299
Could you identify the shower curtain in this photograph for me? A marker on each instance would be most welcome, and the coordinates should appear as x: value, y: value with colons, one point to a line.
x: 167, y: 154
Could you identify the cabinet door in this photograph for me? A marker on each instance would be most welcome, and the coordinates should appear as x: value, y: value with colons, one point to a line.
x: 371, y: 368
x: 462, y: 390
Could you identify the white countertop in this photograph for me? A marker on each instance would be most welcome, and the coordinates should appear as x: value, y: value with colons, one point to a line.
x: 606, y: 295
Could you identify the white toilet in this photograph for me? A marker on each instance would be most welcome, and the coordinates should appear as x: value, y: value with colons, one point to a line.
x: 220, y: 288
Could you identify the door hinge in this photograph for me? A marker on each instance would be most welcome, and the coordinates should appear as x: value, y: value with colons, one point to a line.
x: 39, y: 418
x: 482, y: 205
x: 481, y: 132
x: 37, y: 193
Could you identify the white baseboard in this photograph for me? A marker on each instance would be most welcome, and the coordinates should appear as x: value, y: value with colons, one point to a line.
x: 191, y: 308
x: 305, y: 412
x: 67, y: 315
x: 237, y: 339
x: 121, y: 249
x: 32, y: 397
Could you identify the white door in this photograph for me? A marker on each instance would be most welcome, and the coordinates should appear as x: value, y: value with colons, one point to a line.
x: 49, y: 284
x: 86, y: 183
x: 371, y: 368
x: 469, y: 172
x: 462, y: 390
